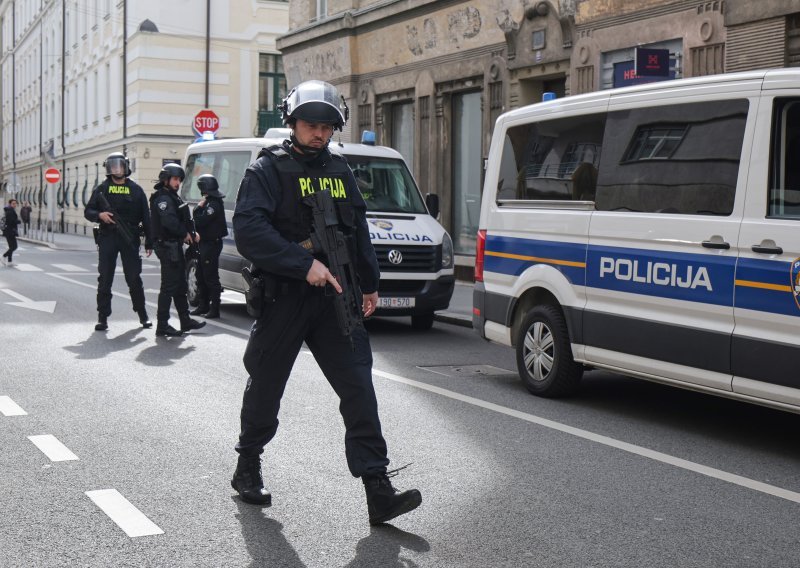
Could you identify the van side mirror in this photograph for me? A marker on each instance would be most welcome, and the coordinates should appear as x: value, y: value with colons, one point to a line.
x: 432, y: 203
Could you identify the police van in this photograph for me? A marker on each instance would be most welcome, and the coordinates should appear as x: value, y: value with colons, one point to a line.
x: 653, y: 231
x: 415, y: 253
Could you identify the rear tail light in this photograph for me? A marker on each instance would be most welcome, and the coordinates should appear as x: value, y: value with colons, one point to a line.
x: 479, y: 250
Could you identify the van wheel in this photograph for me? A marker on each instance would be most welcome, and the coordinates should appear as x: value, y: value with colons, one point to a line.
x: 422, y: 321
x: 192, y: 286
x: 544, y: 354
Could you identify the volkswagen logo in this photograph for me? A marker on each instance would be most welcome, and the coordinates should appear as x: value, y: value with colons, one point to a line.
x: 395, y: 256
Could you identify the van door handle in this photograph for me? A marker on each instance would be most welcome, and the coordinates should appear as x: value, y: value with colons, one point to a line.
x: 767, y: 250
x: 716, y: 245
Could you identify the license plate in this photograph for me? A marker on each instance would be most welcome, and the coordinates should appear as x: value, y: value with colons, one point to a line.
x: 395, y: 302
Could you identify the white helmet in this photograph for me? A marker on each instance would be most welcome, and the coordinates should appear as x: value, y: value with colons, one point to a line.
x: 317, y: 102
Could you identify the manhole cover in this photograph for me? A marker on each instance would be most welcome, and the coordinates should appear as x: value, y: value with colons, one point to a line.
x: 468, y: 370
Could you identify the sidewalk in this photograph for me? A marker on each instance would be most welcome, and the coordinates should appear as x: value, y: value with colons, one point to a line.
x: 62, y: 241
x: 458, y: 313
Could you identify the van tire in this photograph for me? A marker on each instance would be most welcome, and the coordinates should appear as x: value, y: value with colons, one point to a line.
x: 192, y: 282
x: 544, y: 354
x: 422, y: 322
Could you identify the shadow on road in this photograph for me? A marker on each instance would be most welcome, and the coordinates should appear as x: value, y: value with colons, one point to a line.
x: 384, y: 546
x: 164, y: 352
x: 99, y: 344
x: 264, y: 538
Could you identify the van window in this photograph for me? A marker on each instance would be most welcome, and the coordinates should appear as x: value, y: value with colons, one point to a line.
x: 552, y: 159
x: 227, y: 167
x: 386, y: 185
x: 784, y: 184
x: 672, y: 159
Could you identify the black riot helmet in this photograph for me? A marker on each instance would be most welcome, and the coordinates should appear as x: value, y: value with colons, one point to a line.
x: 117, y: 165
x: 317, y: 102
x: 169, y: 171
x: 208, y: 185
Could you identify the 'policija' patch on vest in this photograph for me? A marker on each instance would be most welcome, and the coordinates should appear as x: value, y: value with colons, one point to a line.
x: 308, y: 185
x: 119, y: 189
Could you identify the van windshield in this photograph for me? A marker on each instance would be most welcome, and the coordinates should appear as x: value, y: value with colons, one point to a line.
x: 386, y: 185
x: 227, y: 167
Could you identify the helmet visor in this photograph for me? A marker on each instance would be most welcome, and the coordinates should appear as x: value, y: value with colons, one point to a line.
x: 116, y: 166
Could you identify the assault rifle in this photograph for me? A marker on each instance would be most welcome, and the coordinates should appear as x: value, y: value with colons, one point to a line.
x: 328, y: 240
x: 119, y: 223
x: 186, y: 218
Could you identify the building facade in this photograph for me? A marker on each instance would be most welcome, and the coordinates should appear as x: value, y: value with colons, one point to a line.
x: 431, y: 77
x: 80, y: 79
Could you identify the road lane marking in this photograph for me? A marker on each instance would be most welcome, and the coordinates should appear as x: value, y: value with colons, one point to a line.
x: 27, y: 268
x: 600, y: 439
x: 52, y: 448
x: 70, y: 268
x: 10, y: 408
x: 123, y: 513
x: 44, y: 306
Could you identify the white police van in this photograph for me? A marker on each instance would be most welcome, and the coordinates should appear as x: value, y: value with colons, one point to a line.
x: 414, y: 252
x: 653, y: 231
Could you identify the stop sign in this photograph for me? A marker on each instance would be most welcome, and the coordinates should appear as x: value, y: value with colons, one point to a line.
x: 205, y: 121
x: 52, y: 175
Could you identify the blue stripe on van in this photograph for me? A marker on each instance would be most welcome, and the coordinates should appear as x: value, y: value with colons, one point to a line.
x: 759, y: 284
x: 508, y: 255
x: 766, y: 286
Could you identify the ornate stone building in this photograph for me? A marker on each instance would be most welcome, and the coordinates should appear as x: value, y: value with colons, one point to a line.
x: 431, y: 77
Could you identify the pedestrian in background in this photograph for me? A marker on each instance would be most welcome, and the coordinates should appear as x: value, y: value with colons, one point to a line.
x: 172, y: 226
x: 210, y: 223
x: 25, y: 214
x: 10, y: 229
x: 119, y: 206
x: 270, y: 221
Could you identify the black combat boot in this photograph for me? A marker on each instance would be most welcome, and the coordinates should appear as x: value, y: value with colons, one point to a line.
x: 188, y: 324
x: 163, y: 329
x: 384, y: 502
x: 200, y: 310
x: 102, y: 323
x: 248, y: 482
x: 144, y: 319
x: 213, y: 311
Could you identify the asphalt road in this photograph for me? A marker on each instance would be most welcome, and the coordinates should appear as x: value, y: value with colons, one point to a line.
x: 117, y: 450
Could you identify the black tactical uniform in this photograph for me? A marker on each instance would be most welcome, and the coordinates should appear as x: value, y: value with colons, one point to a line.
x: 269, y: 221
x: 209, y: 220
x: 127, y: 202
x: 171, y: 224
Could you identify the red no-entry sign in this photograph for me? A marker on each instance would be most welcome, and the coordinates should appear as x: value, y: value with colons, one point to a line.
x: 52, y: 175
x: 205, y: 121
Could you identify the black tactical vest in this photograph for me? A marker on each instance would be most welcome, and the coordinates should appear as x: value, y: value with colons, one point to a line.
x: 293, y: 218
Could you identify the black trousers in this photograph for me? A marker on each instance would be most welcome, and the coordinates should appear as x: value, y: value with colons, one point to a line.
x: 111, y: 245
x: 208, y: 283
x: 275, y: 340
x: 11, y: 239
x: 173, y: 280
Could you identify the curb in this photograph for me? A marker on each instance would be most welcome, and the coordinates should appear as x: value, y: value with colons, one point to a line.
x: 54, y: 246
x: 453, y: 318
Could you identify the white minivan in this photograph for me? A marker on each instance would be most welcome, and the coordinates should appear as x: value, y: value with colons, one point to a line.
x: 415, y: 253
x: 653, y: 231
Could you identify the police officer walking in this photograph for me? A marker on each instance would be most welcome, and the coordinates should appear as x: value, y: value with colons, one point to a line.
x: 119, y: 206
x: 172, y: 226
x: 209, y: 221
x: 270, y: 220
